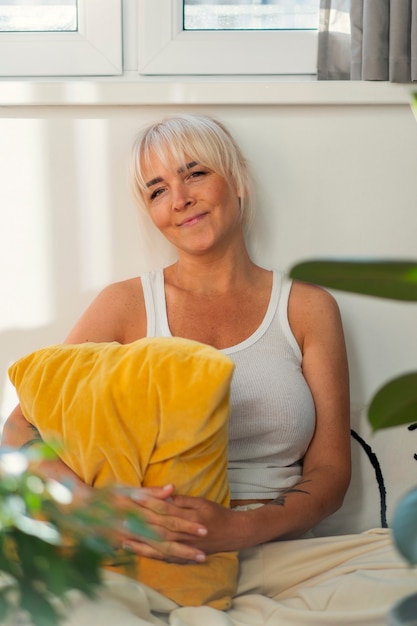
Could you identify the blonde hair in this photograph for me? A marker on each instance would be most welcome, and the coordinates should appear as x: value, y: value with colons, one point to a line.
x: 199, y: 138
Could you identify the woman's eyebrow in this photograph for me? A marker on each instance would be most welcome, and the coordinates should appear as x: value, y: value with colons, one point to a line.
x: 159, y: 179
x: 154, y: 181
x: 188, y: 166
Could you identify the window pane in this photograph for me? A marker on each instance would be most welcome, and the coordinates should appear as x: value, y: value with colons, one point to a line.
x: 251, y: 14
x: 38, y: 15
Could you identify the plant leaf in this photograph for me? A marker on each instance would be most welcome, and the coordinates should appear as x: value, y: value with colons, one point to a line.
x: 48, y: 548
x: 395, y: 280
x: 138, y: 526
x: 404, y: 526
x: 395, y: 403
x: 39, y: 606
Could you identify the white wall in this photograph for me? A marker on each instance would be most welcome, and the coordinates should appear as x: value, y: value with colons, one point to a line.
x: 335, y: 180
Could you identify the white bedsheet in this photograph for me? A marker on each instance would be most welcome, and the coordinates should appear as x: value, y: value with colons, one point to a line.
x: 338, y: 581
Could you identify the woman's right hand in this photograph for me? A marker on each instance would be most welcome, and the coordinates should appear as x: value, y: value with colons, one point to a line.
x: 175, y: 533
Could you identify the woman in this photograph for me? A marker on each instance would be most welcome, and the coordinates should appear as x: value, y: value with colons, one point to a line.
x: 289, y: 455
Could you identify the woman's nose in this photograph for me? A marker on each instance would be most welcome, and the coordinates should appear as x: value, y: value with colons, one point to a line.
x: 181, y: 197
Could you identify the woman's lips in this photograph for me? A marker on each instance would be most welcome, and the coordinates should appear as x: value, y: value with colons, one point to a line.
x: 190, y: 221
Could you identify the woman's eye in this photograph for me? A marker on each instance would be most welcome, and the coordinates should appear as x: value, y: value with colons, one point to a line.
x: 197, y: 174
x: 156, y: 193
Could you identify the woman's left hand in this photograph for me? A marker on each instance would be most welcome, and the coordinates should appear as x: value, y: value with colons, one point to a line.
x: 224, y: 526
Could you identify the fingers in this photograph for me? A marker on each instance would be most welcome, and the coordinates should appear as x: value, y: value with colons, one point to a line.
x: 157, y: 492
x: 171, y: 528
x: 175, y: 528
x: 188, y: 502
x: 169, y: 518
x: 139, y: 493
x: 169, y: 551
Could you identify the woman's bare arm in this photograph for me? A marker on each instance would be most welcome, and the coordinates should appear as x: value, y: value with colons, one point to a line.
x: 117, y: 314
x: 18, y: 432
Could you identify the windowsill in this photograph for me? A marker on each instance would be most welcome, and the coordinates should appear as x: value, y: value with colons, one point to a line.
x: 198, y: 90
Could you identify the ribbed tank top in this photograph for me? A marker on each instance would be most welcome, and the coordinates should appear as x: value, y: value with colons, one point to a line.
x: 272, y: 416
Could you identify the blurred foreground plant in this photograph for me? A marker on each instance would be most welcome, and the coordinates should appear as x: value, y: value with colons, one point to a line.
x: 49, y: 543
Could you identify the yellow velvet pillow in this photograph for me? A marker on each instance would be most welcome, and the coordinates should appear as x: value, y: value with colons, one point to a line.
x: 145, y: 413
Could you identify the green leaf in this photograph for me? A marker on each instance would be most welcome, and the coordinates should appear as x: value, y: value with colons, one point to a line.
x: 7, y: 602
x: 56, y: 577
x: 404, y: 526
x: 47, y: 548
x: 84, y: 571
x: 136, y: 525
x: 396, y: 280
x: 395, y: 403
x: 41, y: 610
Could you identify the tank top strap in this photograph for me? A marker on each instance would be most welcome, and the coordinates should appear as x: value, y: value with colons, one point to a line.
x: 155, y: 304
x: 282, y: 311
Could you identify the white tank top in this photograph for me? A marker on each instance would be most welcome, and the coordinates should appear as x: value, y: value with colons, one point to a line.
x: 272, y: 416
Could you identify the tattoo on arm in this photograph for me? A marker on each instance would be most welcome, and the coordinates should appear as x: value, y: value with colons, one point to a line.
x: 35, y: 431
x: 36, y: 438
x: 280, y: 501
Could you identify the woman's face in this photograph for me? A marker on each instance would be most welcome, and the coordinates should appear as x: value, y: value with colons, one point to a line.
x: 195, y: 208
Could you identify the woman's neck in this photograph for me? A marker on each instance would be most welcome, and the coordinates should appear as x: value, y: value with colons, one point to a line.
x: 213, y: 276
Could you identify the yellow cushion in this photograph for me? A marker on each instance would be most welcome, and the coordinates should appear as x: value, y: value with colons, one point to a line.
x: 145, y: 413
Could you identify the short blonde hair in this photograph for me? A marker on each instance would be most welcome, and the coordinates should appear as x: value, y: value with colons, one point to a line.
x: 199, y: 138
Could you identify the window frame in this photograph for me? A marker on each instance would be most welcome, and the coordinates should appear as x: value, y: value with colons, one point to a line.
x: 94, y: 50
x: 164, y: 48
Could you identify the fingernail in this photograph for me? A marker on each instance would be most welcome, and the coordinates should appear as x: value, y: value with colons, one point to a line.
x: 200, y: 558
x: 137, y: 495
x: 202, y: 532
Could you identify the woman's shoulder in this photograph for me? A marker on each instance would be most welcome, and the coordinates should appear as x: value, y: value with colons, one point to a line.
x: 127, y: 288
x: 130, y: 292
x: 308, y: 294
x: 117, y: 313
x: 311, y: 309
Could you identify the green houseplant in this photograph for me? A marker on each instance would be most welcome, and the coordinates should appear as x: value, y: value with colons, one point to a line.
x: 50, y: 543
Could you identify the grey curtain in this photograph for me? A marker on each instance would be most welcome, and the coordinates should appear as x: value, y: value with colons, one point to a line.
x: 368, y: 40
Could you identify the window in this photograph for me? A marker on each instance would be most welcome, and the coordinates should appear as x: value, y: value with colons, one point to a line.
x: 228, y: 36
x: 60, y: 37
x: 38, y: 15
x: 250, y: 14
x: 160, y: 37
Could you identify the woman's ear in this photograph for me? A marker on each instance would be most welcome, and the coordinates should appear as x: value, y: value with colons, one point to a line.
x: 240, y: 192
